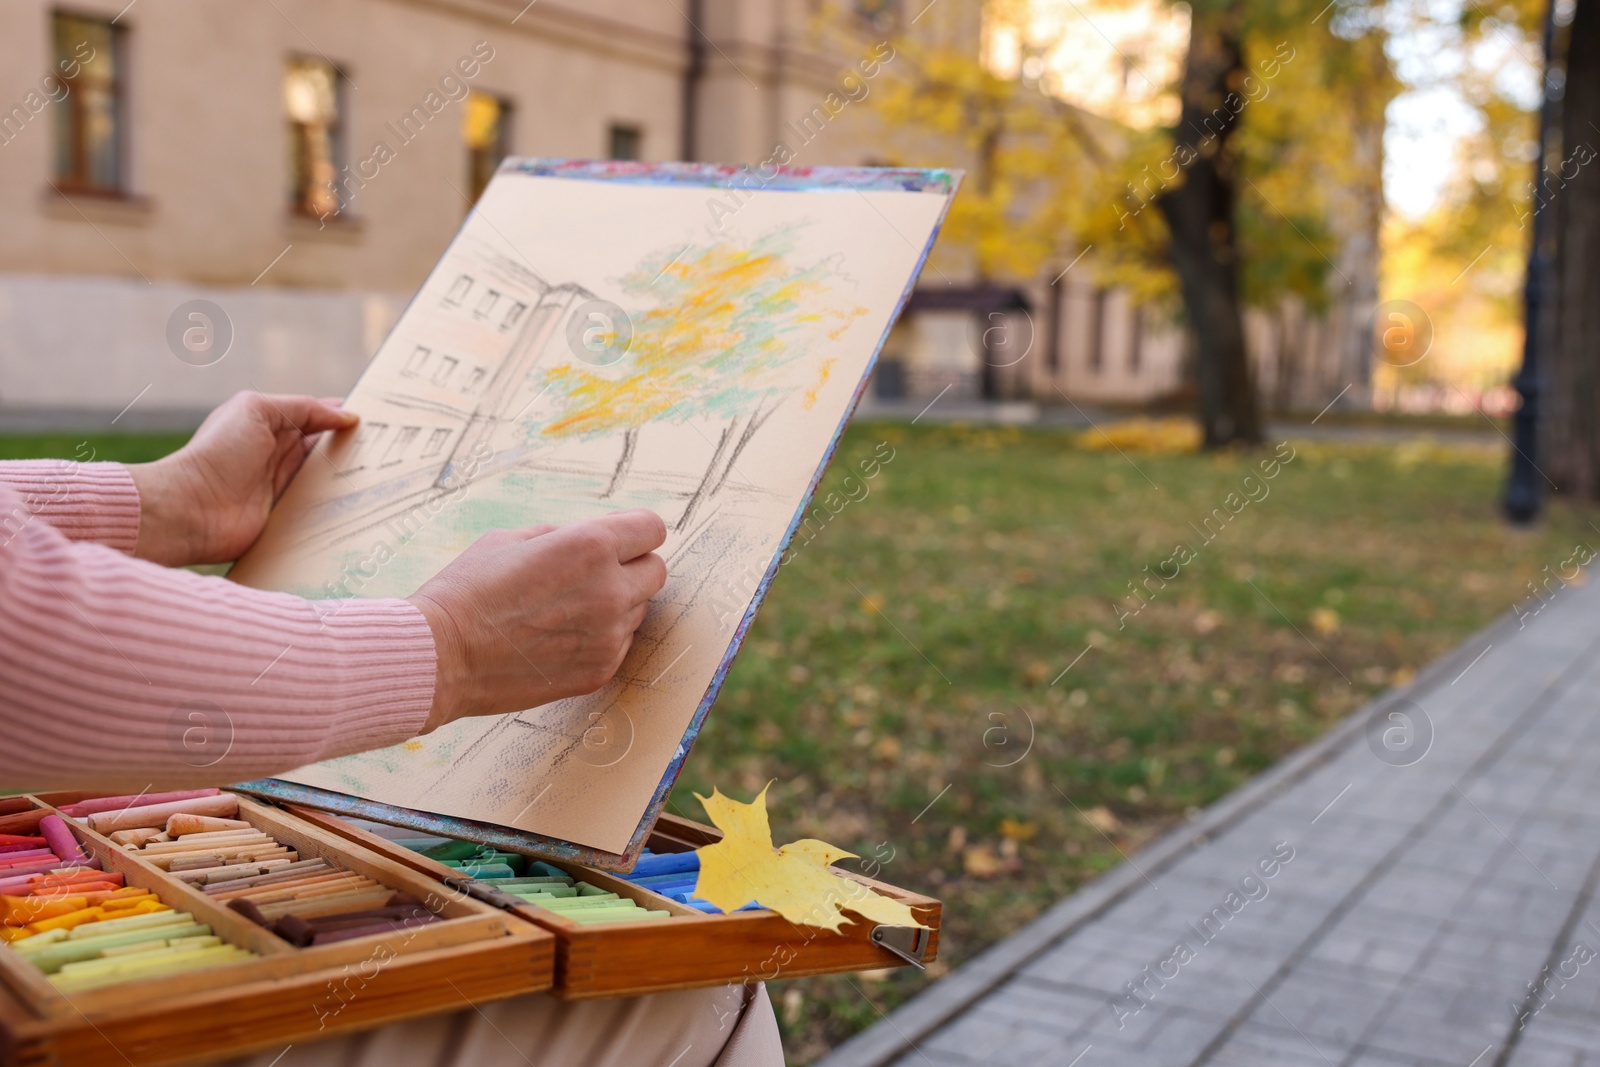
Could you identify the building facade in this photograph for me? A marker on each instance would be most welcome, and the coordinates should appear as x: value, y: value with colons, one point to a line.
x: 200, y: 197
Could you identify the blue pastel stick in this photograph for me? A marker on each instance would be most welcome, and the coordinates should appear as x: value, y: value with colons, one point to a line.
x: 665, y: 863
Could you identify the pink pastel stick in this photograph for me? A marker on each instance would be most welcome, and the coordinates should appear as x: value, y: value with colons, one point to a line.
x: 22, y: 859
x: 61, y: 841
x: 20, y: 881
x: 48, y: 866
x: 5, y: 849
x: 96, y: 806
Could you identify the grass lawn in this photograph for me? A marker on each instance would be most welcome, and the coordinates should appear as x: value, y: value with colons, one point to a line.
x: 904, y: 684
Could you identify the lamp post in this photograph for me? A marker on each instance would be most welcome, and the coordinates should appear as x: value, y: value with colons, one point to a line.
x: 1524, y: 496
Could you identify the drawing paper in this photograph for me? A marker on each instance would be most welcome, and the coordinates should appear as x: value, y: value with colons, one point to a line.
x: 683, y: 338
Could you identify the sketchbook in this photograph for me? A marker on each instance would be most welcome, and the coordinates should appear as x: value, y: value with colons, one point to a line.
x: 598, y: 336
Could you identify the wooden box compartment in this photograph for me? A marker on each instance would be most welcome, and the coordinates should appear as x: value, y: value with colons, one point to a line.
x: 690, y: 948
x: 285, y: 994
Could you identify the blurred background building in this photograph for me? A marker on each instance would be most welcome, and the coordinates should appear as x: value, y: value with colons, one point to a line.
x: 300, y: 166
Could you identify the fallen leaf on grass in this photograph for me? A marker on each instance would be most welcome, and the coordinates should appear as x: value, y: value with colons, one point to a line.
x: 793, y: 881
x: 981, y: 862
x: 1101, y: 819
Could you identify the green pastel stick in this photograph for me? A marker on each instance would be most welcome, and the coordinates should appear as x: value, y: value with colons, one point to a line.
x: 541, y: 867
x: 175, y: 963
x: 541, y: 880
x: 52, y: 961
x: 123, y: 951
x: 587, y: 890
x: 39, y: 941
x: 547, y: 893
x: 567, y: 903
x: 496, y: 872
x: 615, y: 916
x: 453, y: 850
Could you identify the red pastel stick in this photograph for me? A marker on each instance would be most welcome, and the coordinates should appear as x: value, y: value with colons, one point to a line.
x: 96, y: 806
x: 14, y: 840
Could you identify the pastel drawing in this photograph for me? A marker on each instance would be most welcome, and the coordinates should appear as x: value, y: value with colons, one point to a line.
x: 489, y: 406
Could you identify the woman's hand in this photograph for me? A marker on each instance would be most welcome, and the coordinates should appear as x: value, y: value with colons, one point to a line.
x: 207, y: 502
x: 524, y: 617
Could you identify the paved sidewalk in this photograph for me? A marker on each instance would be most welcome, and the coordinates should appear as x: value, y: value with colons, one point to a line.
x: 1438, y: 908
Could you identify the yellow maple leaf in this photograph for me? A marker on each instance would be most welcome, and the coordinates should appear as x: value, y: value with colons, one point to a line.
x: 793, y: 881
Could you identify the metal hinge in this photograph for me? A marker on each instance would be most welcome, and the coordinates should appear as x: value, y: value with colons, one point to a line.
x: 910, y: 943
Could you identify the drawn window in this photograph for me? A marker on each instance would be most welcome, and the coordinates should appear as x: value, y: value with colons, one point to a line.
x: 367, y: 440
x: 91, y: 126
x: 475, y: 380
x: 401, y: 442
x: 513, y: 315
x: 486, y: 129
x: 486, y: 305
x: 459, y: 290
x: 447, y: 366
x: 435, y: 444
x: 313, y: 97
x: 625, y: 141
x: 416, y: 361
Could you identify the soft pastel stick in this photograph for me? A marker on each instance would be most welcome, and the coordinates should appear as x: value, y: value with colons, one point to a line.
x: 381, y: 926
x: 9, y: 850
x: 137, y: 837
x: 64, y: 876
x: 62, y: 842
x: 196, y: 941
x: 223, y: 804
x: 148, y: 917
x: 51, y: 958
x: 92, y: 807
x: 67, y: 920
x: 665, y: 863
x: 53, y: 866
x: 20, y: 911
x: 31, y: 858
x: 11, y: 840
x: 167, y: 961
x: 615, y: 916
x: 179, y: 825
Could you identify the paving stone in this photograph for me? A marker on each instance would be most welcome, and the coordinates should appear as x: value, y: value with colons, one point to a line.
x: 1419, y: 904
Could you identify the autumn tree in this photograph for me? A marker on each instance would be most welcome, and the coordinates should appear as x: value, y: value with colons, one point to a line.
x: 1275, y: 147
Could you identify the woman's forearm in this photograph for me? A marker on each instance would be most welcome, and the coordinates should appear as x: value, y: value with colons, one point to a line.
x: 117, y: 674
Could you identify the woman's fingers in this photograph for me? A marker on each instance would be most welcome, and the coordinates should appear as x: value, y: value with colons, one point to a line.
x: 645, y: 575
x: 308, y: 414
x: 633, y: 532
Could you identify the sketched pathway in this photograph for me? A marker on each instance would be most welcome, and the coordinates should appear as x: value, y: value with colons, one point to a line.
x: 1436, y: 913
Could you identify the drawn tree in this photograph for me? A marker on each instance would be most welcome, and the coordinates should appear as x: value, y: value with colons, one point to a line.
x: 727, y: 331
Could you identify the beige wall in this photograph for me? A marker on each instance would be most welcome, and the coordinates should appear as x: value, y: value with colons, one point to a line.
x: 206, y: 122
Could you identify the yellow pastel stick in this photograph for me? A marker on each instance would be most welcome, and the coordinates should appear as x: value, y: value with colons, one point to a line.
x: 148, y: 913
x: 69, y: 921
x: 197, y: 941
x: 157, y: 964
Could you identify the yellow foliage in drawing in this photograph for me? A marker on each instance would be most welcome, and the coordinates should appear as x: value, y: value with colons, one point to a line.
x: 793, y: 881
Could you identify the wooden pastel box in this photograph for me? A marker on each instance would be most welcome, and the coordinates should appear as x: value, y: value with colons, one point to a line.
x: 689, y: 948
x: 474, y: 951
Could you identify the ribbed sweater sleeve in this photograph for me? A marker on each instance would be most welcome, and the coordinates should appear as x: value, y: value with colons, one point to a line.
x: 85, y: 501
x: 120, y: 675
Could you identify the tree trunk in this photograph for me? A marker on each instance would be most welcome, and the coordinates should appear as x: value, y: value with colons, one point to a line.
x: 630, y: 444
x: 1568, y: 323
x: 1200, y: 215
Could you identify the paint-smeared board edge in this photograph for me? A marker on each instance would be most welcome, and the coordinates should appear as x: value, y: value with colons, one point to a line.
x: 479, y: 833
x: 744, y: 178
x: 928, y: 181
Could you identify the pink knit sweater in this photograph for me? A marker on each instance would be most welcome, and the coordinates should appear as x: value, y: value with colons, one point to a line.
x: 120, y: 675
